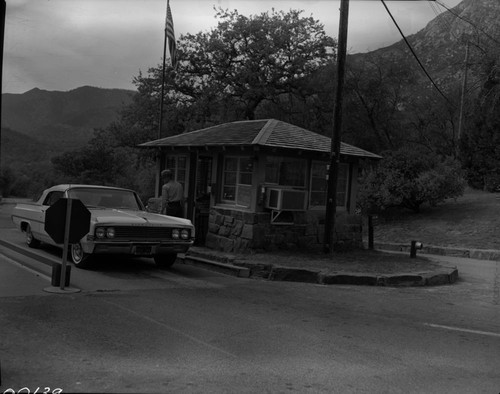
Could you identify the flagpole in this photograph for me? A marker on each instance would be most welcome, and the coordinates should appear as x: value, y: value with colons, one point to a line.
x: 160, y: 121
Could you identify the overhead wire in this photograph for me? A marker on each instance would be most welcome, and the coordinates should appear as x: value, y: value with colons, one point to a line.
x: 414, y: 53
x: 475, y: 43
x: 467, y: 21
x: 431, y: 4
x: 443, y: 22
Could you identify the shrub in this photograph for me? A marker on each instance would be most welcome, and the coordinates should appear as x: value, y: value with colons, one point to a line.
x: 7, y: 178
x: 409, y: 178
x: 492, y: 181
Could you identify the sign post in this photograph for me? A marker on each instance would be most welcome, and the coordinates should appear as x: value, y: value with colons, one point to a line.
x: 67, y: 221
x: 67, y: 225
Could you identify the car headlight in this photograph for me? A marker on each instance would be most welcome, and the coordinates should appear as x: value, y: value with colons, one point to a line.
x: 175, y: 233
x: 110, y: 232
x: 185, y: 234
x: 103, y: 232
x: 100, y: 232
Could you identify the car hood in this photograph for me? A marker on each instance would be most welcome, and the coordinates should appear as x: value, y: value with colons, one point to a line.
x: 136, y: 218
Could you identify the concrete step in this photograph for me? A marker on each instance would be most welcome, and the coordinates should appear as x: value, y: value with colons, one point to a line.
x: 217, y: 266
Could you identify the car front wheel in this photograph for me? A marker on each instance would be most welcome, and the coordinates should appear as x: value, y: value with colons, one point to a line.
x: 165, y: 260
x: 31, y: 241
x: 79, y: 258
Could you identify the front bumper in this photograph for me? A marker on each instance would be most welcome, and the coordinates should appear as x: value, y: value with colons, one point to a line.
x: 137, y: 248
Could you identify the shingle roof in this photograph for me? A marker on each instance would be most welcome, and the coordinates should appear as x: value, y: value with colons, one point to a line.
x: 263, y: 132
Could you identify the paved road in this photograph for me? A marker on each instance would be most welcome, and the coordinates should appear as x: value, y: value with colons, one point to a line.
x: 133, y: 328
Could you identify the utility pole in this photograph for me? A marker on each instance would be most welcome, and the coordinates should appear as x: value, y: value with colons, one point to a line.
x: 331, y: 198
x: 462, y: 98
x: 3, y: 8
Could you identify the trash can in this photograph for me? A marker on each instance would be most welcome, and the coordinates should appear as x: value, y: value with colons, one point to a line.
x: 56, y: 274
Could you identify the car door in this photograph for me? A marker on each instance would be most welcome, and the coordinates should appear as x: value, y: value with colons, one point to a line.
x: 50, y: 199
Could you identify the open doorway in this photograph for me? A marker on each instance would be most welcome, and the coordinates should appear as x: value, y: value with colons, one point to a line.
x: 202, y: 198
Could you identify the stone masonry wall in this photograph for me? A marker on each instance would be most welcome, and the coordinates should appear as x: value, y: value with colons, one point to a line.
x: 238, y: 231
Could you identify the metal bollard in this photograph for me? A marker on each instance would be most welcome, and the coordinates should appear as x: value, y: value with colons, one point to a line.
x: 372, y: 222
x: 413, y: 248
x: 56, y: 275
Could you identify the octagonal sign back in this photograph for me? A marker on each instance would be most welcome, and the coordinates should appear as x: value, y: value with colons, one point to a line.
x: 55, y: 220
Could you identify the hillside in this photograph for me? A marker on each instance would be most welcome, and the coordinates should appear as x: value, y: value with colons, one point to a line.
x: 18, y: 147
x: 470, y: 221
x: 61, y: 120
x: 441, y: 45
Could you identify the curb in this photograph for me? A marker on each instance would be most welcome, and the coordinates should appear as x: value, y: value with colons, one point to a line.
x: 28, y: 253
x: 223, y: 268
x: 479, y: 254
x: 444, y: 276
x: 227, y: 264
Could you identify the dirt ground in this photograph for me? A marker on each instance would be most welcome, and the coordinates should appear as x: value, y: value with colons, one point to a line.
x: 470, y: 221
x: 367, y: 261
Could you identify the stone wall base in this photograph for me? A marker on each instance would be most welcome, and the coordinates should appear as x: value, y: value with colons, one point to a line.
x: 238, y: 231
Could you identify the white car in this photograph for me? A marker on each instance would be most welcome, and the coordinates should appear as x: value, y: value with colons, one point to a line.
x: 119, y: 224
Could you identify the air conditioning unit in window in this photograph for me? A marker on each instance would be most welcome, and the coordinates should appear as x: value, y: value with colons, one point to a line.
x: 285, y: 199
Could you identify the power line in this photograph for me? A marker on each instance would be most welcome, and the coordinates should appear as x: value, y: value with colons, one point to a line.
x: 468, y: 21
x: 464, y: 37
x: 443, y: 22
x: 436, y: 12
x: 413, y: 53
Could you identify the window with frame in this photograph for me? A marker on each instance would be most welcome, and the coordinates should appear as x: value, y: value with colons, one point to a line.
x: 285, y: 171
x: 237, y: 181
x: 53, y: 197
x: 178, y: 166
x: 319, y: 184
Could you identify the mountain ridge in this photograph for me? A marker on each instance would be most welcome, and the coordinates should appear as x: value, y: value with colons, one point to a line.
x: 67, y: 119
x: 62, y: 121
x: 441, y: 44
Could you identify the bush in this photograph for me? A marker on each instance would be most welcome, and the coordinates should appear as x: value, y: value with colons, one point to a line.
x: 408, y: 178
x: 7, y: 178
x: 492, y: 181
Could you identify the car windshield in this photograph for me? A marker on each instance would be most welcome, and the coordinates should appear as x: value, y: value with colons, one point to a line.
x: 106, y: 198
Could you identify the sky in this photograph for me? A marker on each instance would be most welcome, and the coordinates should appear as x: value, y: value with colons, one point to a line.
x: 64, y: 44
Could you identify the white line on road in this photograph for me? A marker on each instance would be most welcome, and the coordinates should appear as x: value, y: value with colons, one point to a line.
x: 14, y: 262
x: 179, y: 332
x: 488, y: 333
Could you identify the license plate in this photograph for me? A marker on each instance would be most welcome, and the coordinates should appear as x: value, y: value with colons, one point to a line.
x: 143, y: 250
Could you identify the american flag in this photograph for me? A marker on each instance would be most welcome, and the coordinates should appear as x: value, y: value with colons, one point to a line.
x: 169, y: 31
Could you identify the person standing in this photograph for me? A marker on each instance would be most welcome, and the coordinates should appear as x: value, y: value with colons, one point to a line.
x: 172, y: 195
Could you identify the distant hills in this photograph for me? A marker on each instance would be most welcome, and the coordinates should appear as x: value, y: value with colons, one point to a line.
x: 65, y: 119
x: 39, y: 124
x: 18, y: 148
x: 441, y: 45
